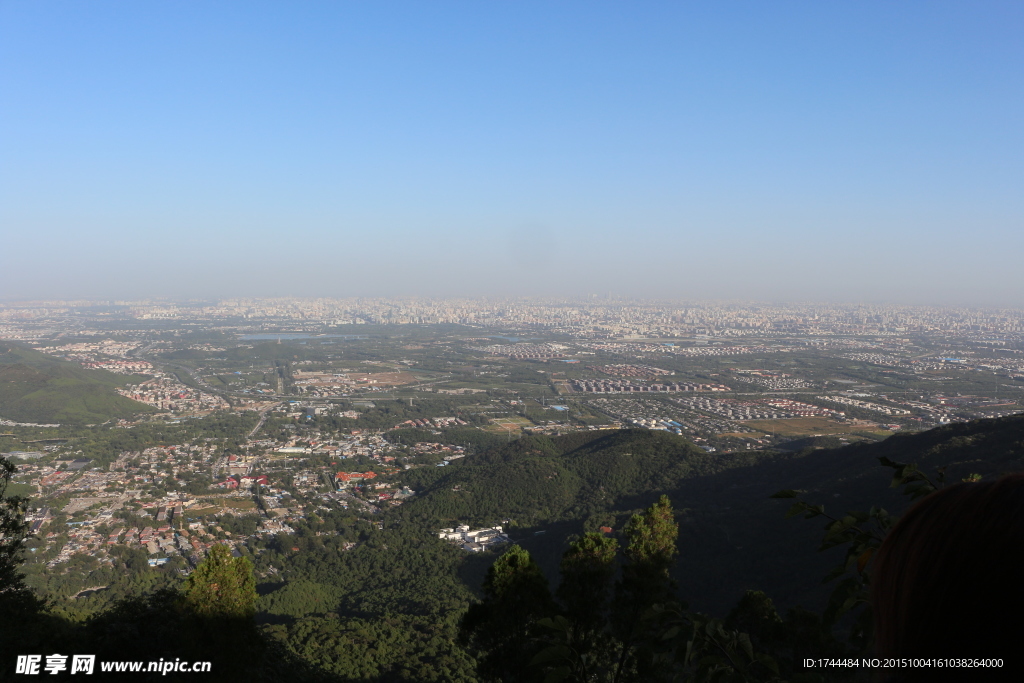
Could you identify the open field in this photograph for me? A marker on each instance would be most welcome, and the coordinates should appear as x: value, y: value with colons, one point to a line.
x: 198, y: 512
x: 239, y: 503
x: 811, y: 426
x: 381, y: 379
x: 519, y: 421
x: 504, y: 424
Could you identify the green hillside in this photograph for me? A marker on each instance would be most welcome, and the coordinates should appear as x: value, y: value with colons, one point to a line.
x: 35, y: 387
x: 733, y: 536
x: 539, y: 480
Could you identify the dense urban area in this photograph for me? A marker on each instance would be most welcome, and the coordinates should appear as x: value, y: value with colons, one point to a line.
x: 147, y: 433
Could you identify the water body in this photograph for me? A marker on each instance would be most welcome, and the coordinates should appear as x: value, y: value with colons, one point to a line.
x: 511, y: 339
x: 293, y: 335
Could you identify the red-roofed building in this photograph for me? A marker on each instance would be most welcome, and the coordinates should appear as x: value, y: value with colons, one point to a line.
x: 346, y: 477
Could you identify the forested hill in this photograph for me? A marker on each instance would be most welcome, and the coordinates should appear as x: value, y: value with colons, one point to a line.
x: 733, y: 535
x: 539, y: 480
x: 35, y: 387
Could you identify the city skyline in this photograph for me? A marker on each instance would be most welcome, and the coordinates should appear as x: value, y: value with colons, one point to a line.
x: 590, y: 318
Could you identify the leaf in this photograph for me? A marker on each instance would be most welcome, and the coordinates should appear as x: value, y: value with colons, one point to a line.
x: 863, y: 560
x: 558, y: 623
x: 785, y: 493
x: 795, y: 509
x: 558, y: 675
x: 551, y: 654
x: 767, y: 661
x: 745, y: 643
x: 834, y: 574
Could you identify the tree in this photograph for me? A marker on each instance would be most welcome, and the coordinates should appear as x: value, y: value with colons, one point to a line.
x: 578, y: 639
x: 17, y: 601
x: 14, y: 594
x: 502, y: 628
x: 588, y: 568
x: 221, y: 586
x: 644, y: 586
x: 755, y: 614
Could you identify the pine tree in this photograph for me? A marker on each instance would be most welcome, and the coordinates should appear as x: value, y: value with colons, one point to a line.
x: 503, y: 627
x: 588, y: 568
x: 16, y: 598
x: 644, y: 588
x: 578, y: 643
x: 221, y: 586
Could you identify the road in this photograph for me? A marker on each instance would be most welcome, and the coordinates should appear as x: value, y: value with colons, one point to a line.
x: 263, y: 419
x: 356, y: 502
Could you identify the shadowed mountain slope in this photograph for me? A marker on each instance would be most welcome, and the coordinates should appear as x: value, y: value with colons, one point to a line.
x: 35, y: 387
x: 733, y: 536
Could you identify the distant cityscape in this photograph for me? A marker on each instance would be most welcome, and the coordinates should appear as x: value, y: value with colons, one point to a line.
x: 337, y: 400
x: 587, y: 319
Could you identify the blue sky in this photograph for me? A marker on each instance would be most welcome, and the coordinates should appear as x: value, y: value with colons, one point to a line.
x: 846, y: 151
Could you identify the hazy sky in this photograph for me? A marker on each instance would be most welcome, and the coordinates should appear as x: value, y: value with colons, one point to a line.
x: 770, y: 150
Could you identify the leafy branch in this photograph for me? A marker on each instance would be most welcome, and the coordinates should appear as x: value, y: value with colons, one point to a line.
x: 862, y: 533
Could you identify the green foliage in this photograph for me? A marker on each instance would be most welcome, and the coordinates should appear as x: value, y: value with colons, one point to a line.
x: 35, y: 387
x: 577, y: 641
x: 703, y: 649
x: 644, y: 590
x: 756, y: 615
x: 537, y: 479
x: 391, y: 647
x: 221, y: 586
x: 647, y: 634
x: 862, y: 534
x: 17, y: 601
x: 300, y: 598
x: 502, y: 627
x: 587, y: 568
x: 652, y: 537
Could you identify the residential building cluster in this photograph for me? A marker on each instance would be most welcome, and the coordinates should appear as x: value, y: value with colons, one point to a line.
x: 864, y: 405
x: 165, y: 393
x: 121, y: 367
x: 629, y: 370
x: 773, y: 381
x: 474, y: 540
x: 617, y: 386
x: 732, y: 409
x: 144, y: 499
x: 431, y: 422
x: 800, y: 409
x: 657, y: 414
x: 523, y: 351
